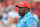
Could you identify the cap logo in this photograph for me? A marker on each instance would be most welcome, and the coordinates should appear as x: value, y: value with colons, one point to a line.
x: 21, y: 3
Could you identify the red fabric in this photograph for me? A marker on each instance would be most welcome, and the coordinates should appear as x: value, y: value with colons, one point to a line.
x: 18, y: 26
x: 38, y: 13
x: 38, y: 8
x: 32, y: 24
x: 26, y: 25
x: 38, y: 5
x: 24, y: 4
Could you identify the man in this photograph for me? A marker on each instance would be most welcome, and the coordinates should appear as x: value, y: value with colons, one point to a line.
x: 10, y: 6
x: 26, y: 19
x: 2, y: 7
x: 8, y: 18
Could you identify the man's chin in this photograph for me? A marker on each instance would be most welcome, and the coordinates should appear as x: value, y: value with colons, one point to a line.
x: 19, y: 15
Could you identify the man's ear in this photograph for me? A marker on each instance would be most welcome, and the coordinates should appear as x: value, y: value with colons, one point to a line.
x: 26, y: 9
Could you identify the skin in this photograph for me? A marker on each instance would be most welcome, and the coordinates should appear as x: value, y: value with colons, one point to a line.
x: 10, y: 21
x: 23, y: 10
x: 1, y: 24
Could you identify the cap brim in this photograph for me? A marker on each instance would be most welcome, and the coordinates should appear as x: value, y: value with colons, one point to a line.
x: 17, y: 6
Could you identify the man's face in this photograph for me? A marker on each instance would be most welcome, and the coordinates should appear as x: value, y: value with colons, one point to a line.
x: 21, y: 11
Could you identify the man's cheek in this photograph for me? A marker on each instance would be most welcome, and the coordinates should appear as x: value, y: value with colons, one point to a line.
x: 18, y: 12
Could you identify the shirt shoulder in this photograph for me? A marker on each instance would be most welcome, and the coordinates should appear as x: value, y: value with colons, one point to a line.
x: 13, y: 14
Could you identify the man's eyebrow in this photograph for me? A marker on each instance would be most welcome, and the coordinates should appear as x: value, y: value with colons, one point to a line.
x: 20, y: 7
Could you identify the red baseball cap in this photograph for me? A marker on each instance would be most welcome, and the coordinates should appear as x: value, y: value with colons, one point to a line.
x: 24, y: 4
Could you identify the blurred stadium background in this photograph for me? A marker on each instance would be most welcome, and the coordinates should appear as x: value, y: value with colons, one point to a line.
x: 9, y: 5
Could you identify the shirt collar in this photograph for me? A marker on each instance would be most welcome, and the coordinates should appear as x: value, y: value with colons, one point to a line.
x: 27, y: 14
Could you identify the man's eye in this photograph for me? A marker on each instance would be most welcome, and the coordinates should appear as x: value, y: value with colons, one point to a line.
x: 21, y: 7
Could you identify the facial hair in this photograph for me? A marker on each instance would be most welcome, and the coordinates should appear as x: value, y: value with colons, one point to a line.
x: 22, y: 14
